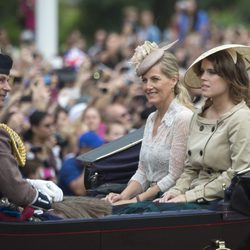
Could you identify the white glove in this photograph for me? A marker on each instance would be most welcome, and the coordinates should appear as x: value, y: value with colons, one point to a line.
x: 49, y: 188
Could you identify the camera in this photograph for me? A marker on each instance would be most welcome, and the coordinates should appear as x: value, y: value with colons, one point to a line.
x: 60, y: 141
x: 36, y: 149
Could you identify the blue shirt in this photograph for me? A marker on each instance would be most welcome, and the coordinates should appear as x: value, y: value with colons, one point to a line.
x: 151, y: 33
x: 201, y: 24
x: 71, y: 170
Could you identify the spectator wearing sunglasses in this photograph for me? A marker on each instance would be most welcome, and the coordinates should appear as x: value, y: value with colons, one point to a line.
x: 40, y: 141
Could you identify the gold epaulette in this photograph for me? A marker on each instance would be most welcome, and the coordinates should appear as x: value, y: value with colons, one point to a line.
x: 17, y: 145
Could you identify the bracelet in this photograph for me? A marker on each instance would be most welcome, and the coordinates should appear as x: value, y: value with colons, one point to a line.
x: 138, y: 198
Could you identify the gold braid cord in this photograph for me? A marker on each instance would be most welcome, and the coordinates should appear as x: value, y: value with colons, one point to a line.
x: 17, y: 145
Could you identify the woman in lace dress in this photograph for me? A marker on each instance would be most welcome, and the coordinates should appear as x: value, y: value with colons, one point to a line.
x: 164, y: 143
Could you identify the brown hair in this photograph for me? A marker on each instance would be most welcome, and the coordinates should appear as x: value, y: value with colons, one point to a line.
x: 234, y: 73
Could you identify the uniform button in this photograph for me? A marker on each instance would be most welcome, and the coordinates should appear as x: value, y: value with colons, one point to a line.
x: 201, y: 153
x: 189, y: 152
x: 213, y: 128
x: 201, y: 128
x: 200, y: 200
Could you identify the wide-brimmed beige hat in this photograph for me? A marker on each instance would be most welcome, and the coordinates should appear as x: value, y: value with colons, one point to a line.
x: 193, y: 81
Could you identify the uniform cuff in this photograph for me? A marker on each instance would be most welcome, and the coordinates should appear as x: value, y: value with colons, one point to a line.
x: 195, y: 196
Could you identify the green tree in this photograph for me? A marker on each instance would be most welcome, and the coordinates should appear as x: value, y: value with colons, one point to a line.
x: 227, y: 13
x: 10, y: 19
x: 108, y: 14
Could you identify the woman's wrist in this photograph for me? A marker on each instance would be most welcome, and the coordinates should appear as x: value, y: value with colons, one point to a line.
x: 124, y: 196
x: 138, y: 199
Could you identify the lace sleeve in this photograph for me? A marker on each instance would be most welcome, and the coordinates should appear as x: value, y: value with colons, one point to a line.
x: 178, y: 150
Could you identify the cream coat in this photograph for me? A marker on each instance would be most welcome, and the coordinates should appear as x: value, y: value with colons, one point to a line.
x: 216, y: 151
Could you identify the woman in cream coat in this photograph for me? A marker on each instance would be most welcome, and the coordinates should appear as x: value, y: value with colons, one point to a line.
x: 219, y: 139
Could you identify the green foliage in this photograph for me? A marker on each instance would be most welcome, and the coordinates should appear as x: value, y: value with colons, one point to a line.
x: 215, y: 4
x: 69, y: 16
x: 100, y: 14
x: 225, y: 18
x: 227, y: 13
x: 108, y: 14
x: 89, y: 15
x: 163, y: 10
x: 242, y: 8
x: 11, y: 20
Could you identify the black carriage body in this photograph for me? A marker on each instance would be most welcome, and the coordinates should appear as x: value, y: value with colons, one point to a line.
x: 171, y: 230
x: 165, y: 230
x: 114, y: 162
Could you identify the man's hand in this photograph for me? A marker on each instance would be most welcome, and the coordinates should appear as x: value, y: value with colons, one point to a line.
x: 48, y: 188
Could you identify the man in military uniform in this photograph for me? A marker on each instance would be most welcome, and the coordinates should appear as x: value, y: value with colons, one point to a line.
x: 13, y: 186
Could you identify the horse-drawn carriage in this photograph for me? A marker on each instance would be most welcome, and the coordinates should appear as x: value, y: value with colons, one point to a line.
x: 176, y: 229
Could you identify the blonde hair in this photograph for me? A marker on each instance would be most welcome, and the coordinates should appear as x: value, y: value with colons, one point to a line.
x: 170, y: 68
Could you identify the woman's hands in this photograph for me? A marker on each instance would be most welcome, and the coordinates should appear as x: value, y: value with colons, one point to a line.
x: 113, y: 197
x: 134, y: 188
x: 117, y: 199
x: 167, y: 197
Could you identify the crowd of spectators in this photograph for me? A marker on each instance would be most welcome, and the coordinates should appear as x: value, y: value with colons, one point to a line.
x: 94, y: 88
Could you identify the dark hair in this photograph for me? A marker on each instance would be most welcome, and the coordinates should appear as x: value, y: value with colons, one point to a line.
x: 36, y: 117
x: 234, y: 73
x: 31, y: 167
x: 59, y: 110
x: 5, y: 64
